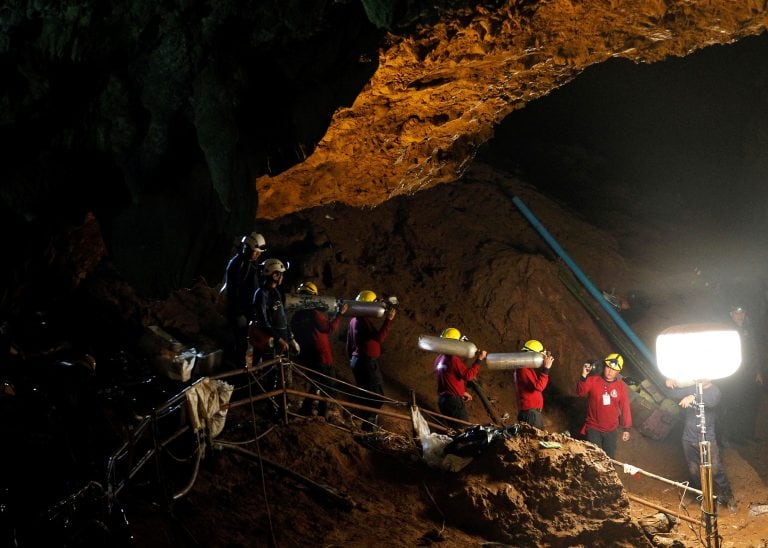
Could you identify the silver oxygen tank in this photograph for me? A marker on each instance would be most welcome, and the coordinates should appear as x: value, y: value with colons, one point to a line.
x: 321, y: 302
x: 360, y: 309
x: 451, y: 347
x: 514, y: 360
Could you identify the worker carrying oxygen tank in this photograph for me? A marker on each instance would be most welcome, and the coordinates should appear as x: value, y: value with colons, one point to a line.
x: 364, y: 342
x: 452, y: 374
x: 311, y: 327
x: 530, y: 384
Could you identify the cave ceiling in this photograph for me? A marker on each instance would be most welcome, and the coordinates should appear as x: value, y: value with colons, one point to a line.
x: 181, y: 124
x: 439, y: 91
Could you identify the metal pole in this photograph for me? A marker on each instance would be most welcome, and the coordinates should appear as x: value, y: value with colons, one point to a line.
x: 708, y: 502
x: 285, y: 394
x: 655, y: 506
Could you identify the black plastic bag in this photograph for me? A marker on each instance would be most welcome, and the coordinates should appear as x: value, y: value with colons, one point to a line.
x: 476, y: 439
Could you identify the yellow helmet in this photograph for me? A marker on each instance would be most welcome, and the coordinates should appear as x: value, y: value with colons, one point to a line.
x: 614, y: 361
x: 307, y: 288
x: 533, y: 346
x: 451, y: 333
x: 366, y: 296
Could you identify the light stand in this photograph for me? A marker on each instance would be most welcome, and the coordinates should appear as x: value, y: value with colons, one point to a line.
x: 708, y: 500
x: 697, y: 353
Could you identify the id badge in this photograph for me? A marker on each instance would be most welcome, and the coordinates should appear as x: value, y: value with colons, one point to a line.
x: 606, y: 399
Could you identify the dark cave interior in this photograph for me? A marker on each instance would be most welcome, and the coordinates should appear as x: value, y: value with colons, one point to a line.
x: 683, y: 140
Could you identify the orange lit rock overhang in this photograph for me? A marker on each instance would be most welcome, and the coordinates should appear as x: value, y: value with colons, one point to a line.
x: 438, y: 93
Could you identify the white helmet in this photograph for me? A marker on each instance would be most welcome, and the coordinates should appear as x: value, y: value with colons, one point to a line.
x: 270, y: 266
x: 255, y: 241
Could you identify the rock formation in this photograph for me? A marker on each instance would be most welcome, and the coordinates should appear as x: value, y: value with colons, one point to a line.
x: 166, y: 121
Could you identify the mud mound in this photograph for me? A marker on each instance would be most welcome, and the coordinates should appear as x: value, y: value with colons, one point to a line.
x: 545, y: 490
x: 333, y: 488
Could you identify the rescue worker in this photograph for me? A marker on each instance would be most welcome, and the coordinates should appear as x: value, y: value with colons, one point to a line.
x: 311, y: 328
x: 742, y: 390
x: 530, y: 383
x: 240, y: 282
x: 270, y: 334
x: 607, y: 404
x: 452, y: 374
x: 364, y: 342
x: 691, y: 438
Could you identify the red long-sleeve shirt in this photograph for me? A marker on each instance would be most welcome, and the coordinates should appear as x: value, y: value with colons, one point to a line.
x: 605, y: 401
x: 363, y: 339
x: 452, y: 374
x: 311, y: 328
x: 529, y: 384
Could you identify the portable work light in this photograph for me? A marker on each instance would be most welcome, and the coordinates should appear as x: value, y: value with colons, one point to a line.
x: 694, y: 352
x: 700, y: 352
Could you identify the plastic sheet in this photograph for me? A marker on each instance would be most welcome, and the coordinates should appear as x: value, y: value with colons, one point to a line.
x: 208, y: 403
x: 475, y: 440
x: 433, y: 446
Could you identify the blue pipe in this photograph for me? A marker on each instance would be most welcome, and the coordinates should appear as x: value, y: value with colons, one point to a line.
x: 584, y: 280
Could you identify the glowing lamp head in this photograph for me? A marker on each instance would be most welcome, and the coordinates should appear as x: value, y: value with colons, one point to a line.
x: 694, y: 352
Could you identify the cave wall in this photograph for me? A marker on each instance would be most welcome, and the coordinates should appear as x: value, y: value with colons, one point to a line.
x: 158, y: 118
x: 184, y: 125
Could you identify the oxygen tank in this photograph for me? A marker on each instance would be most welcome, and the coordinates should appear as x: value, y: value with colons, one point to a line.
x: 514, y: 360
x: 361, y: 309
x: 452, y: 347
x: 321, y: 302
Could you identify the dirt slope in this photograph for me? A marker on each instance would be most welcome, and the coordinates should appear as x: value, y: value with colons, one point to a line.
x: 475, y: 264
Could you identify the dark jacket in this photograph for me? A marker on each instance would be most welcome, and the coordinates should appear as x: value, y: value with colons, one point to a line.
x: 691, y: 428
x: 268, y: 314
x: 240, y: 283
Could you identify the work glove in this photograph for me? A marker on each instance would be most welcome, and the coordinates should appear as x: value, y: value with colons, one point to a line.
x: 295, y: 346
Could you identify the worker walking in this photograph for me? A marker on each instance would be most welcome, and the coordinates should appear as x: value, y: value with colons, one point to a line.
x: 241, y: 279
x: 607, y: 404
x: 364, y: 342
x: 530, y: 384
x: 311, y: 328
x: 452, y: 374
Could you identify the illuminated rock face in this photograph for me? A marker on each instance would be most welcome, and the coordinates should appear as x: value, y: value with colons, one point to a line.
x: 180, y: 126
x: 439, y: 91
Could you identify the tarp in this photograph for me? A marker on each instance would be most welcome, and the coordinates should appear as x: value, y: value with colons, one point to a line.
x: 453, y: 454
x: 208, y: 402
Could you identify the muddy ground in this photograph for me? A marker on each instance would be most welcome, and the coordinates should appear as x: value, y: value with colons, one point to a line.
x: 462, y: 255
x: 458, y: 255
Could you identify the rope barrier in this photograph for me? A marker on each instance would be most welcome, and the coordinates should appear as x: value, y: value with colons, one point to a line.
x: 254, y: 375
x: 636, y: 470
